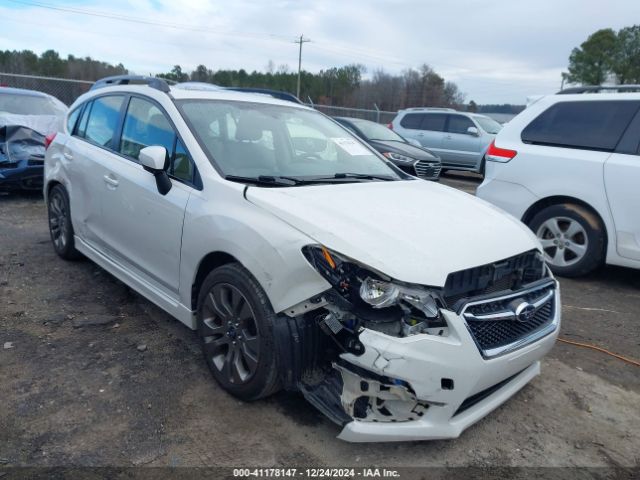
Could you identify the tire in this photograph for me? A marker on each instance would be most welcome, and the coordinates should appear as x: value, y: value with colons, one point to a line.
x: 60, y: 227
x: 483, y: 166
x: 235, y: 326
x: 573, y: 239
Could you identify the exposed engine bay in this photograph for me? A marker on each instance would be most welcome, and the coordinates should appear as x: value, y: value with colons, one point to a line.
x: 326, y: 332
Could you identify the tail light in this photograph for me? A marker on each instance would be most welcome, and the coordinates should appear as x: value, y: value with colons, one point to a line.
x: 48, y: 139
x: 390, y: 126
x: 496, y: 154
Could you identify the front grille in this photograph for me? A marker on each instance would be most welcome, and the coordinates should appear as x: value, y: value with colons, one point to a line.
x: 496, y: 327
x: 427, y: 169
x: 513, y: 273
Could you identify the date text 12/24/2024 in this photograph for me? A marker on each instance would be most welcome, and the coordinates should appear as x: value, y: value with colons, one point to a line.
x: 316, y: 472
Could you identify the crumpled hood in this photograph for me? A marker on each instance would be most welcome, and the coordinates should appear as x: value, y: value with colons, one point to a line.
x: 413, y: 231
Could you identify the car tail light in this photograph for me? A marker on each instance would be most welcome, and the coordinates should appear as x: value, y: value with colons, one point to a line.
x: 48, y: 139
x: 496, y: 154
x: 390, y: 126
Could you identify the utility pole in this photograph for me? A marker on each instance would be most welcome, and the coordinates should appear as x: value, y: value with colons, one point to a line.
x: 300, y: 41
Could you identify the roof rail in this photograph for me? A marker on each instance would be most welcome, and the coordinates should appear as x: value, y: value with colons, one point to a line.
x: 600, y: 89
x: 266, y: 91
x: 153, y: 82
x: 440, y: 109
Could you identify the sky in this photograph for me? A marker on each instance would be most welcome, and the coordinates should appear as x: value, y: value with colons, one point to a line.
x: 496, y: 51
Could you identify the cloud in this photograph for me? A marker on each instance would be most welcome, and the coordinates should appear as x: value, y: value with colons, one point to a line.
x: 495, y: 50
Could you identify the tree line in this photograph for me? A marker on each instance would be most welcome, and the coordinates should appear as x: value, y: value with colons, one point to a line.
x: 341, y: 86
x: 51, y: 64
x: 344, y: 86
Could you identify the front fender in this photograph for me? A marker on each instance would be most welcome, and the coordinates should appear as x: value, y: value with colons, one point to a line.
x: 266, y: 246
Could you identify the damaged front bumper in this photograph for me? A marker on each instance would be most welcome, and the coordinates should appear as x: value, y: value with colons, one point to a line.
x: 404, y: 370
x: 450, y: 385
x: 427, y: 387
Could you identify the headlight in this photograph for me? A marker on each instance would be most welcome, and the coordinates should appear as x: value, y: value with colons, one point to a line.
x: 381, y: 294
x: 398, y: 157
x: 357, y: 284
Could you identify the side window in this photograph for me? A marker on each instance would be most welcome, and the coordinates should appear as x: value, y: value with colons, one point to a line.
x: 82, y: 127
x: 145, y: 125
x: 103, y: 120
x: 72, y: 119
x: 181, y: 165
x: 433, y: 122
x: 459, y: 124
x: 593, y: 125
x: 412, y: 121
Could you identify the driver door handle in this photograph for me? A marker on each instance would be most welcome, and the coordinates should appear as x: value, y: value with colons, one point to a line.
x: 109, y: 180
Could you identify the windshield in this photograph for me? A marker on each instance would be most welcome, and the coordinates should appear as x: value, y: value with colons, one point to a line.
x: 29, y: 105
x: 260, y: 140
x: 488, y: 125
x: 375, y: 131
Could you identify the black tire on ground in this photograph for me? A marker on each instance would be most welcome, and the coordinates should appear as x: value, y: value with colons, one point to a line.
x: 483, y: 166
x: 235, y: 325
x: 60, y: 227
x: 592, y: 236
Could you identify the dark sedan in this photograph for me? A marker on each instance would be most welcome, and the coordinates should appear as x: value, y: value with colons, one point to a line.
x: 410, y: 158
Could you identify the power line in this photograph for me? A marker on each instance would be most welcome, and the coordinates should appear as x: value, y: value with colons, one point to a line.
x: 127, y: 18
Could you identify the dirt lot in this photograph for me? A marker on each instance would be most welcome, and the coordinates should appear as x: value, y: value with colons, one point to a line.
x: 92, y: 374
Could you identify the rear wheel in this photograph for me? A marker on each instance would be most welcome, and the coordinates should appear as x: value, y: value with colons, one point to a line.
x: 235, y: 325
x: 572, y: 238
x: 60, y: 227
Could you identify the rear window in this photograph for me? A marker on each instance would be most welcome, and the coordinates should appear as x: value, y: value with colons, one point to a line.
x: 594, y: 125
x: 30, y: 105
x: 412, y: 121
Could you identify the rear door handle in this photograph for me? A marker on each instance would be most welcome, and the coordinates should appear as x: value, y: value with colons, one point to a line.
x: 68, y: 156
x: 109, y: 180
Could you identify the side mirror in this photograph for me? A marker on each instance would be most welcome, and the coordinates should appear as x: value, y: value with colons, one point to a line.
x: 153, y: 159
x: 473, y: 131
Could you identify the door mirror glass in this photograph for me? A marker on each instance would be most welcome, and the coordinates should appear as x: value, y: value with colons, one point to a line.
x: 473, y: 131
x: 153, y: 158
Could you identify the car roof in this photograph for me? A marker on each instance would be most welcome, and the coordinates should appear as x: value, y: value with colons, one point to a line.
x: 23, y: 91
x: 178, y: 93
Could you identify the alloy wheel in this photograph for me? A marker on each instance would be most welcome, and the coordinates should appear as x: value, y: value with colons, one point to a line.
x: 58, y: 220
x: 564, y: 241
x: 230, y: 334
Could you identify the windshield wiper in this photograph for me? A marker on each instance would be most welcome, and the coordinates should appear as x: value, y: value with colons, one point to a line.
x: 364, y: 176
x: 264, y: 180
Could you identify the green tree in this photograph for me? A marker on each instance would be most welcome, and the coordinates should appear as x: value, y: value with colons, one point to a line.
x: 626, y: 61
x: 591, y: 63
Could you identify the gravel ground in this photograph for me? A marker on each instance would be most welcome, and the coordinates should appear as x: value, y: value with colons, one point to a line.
x: 92, y: 374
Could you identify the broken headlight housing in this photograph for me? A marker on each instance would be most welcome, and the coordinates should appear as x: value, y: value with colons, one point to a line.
x: 372, y: 296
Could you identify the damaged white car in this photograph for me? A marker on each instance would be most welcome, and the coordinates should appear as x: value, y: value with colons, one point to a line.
x: 400, y: 308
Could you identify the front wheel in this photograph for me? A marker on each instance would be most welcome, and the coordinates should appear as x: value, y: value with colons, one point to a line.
x: 572, y: 237
x: 235, y: 325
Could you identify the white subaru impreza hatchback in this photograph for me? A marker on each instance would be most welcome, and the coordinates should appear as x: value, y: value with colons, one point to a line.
x: 400, y: 308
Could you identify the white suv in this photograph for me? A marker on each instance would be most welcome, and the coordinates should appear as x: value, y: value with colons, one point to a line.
x: 304, y: 259
x: 569, y: 167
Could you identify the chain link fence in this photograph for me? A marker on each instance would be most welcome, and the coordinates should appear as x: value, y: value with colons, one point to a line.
x: 379, y: 116
x: 67, y: 90
x: 63, y: 89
